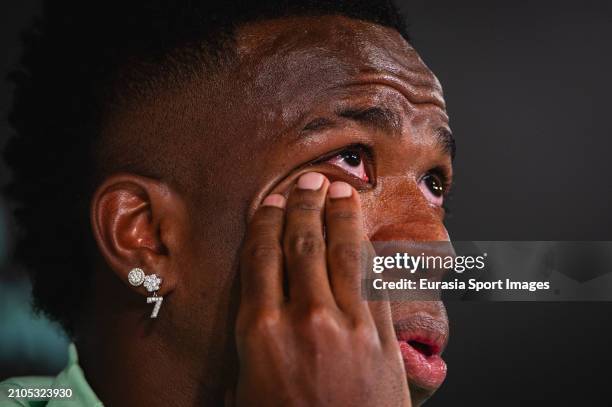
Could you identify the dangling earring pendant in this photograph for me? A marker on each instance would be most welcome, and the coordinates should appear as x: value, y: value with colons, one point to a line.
x: 158, y: 302
x: 151, y: 282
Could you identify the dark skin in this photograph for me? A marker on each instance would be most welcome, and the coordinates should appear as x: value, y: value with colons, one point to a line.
x: 186, y: 173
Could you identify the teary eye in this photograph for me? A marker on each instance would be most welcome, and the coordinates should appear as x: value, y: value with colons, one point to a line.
x: 351, y: 160
x: 433, y: 188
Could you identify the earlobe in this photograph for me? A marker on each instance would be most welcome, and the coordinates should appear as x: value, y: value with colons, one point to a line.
x: 151, y: 282
x: 127, y: 214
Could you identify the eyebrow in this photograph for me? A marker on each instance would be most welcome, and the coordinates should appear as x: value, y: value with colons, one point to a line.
x: 447, y: 141
x: 383, y: 119
x: 377, y: 117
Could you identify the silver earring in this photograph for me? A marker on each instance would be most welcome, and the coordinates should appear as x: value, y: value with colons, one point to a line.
x: 151, y: 282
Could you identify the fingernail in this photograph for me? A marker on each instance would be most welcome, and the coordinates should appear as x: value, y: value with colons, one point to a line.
x: 274, y: 200
x: 340, y: 190
x: 310, y: 180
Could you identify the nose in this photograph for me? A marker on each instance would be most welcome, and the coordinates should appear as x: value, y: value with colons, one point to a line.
x: 398, y: 211
x: 399, y: 219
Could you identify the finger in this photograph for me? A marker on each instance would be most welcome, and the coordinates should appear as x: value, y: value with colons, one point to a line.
x: 303, y: 242
x: 261, y: 262
x: 380, y: 310
x: 344, y: 234
x: 379, y: 303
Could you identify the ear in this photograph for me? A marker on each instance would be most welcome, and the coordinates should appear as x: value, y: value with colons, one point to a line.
x: 138, y: 222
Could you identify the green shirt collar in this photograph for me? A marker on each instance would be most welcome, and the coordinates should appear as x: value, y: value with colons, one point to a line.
x: 72, y: 377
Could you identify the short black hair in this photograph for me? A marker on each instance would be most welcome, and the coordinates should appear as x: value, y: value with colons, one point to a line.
x: 79, y: 58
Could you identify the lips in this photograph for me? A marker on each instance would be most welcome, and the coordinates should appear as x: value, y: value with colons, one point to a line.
x: 421, y: 340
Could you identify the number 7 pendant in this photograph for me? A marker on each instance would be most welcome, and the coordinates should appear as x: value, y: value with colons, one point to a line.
x: 158, y: 302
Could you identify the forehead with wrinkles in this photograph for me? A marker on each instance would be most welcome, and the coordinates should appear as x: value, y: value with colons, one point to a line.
x: 298, y: 58
x: 285, y: 67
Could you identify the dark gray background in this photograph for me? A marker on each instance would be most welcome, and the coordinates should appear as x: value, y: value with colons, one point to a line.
x: 527, y: 87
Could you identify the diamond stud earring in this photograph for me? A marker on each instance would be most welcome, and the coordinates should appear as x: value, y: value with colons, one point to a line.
x: 136, y: 276
x: 151, y: 282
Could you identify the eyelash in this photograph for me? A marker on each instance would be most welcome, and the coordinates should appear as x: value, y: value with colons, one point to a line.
x: 441, y: 174
x: 367, y: 158
x: 442, y: 177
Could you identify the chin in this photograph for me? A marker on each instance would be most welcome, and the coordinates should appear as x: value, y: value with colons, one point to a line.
x: 419, y: 395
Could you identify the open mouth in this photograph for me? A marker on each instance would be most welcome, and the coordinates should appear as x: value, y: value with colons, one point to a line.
x: 421, y: 339
x: 423, y: 348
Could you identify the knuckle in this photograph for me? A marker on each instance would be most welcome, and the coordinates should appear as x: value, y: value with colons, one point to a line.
x: 345, y: 253
x: 263, y: 220
x: 343, y: 215
x: 305, y: 206
x: 258, y: 325
x: 259, y: 251
x: 306, y: 243
x: 319, y: 318
x: 366, y: 335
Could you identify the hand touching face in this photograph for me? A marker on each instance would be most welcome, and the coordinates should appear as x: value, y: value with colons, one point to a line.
x: 344, y: 98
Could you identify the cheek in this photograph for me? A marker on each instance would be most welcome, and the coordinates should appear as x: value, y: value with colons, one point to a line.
x: 207, y: 297
x: 397, y: 210
x: 209, y: 257
x: 410, y: 230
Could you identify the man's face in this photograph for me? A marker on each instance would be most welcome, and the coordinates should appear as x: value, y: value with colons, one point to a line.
x: 349, y: 99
